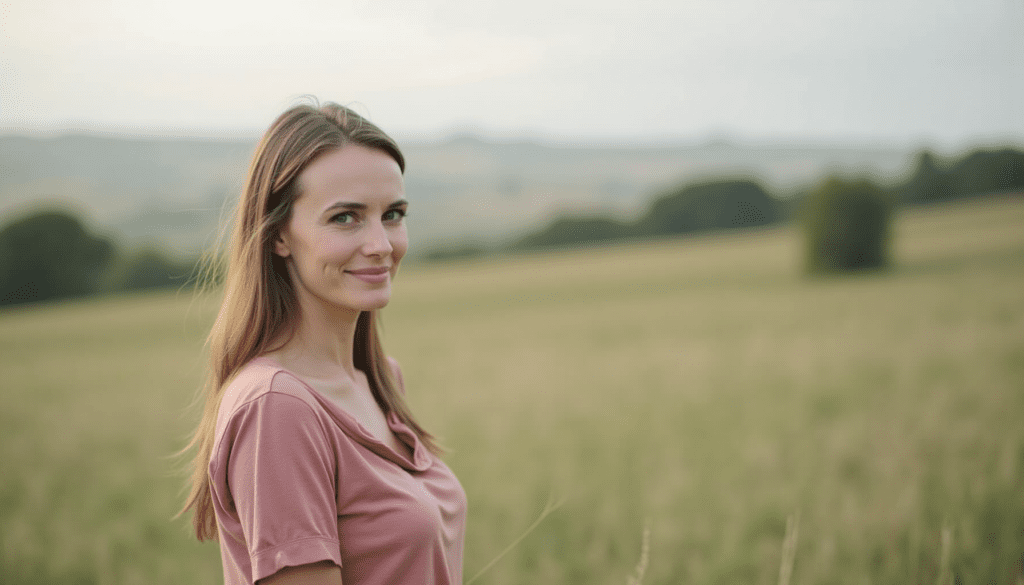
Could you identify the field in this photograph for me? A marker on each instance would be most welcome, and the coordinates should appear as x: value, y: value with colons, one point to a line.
x: 701, y: 388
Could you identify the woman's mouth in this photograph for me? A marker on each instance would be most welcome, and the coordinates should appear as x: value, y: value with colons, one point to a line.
x: 372, y: 275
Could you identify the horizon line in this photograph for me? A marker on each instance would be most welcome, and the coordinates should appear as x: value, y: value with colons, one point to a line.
x: 709, y: 139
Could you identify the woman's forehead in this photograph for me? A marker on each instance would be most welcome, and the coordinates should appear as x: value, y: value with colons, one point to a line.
x: 353, y: 174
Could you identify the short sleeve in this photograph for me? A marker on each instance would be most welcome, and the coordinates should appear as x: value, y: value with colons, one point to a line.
x: 281, y: 474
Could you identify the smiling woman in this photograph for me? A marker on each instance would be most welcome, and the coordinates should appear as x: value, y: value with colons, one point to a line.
x: 346, y: 235
x: 309, y: 466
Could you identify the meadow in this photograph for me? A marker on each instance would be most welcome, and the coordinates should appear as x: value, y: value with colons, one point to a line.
x: 698, y: 390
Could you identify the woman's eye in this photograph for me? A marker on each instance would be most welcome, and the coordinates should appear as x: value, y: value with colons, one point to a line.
x: 394, y: 214
x: 346, y: 217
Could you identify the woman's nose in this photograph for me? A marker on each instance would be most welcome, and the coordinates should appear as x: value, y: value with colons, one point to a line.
x: 377, y: 242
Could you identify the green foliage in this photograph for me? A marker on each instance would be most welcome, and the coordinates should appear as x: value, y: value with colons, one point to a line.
x: 728, y: 204
x: 930, y: 181
x: 847, y: 226
x: 574, y: 230
x: 979, y: 173
x: 150, y: 268
x: 715, y: 205
x: 50, y: 255
x: 456, y: 251
x: 988, y: 171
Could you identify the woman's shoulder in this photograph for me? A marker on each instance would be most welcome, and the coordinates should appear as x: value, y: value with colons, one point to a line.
x: 265, y: 402
x: 258, y: 379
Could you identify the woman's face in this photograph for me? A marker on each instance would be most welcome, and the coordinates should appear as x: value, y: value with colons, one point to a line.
x: 346, y: 234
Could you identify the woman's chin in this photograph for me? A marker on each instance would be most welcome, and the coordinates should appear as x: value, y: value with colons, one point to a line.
x: 370, y: 303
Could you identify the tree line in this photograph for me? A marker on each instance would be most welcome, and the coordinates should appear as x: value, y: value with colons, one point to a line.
x: 740, y: 203
x: 846, y: 222
x: 847, y: 225
x: 50, y: 254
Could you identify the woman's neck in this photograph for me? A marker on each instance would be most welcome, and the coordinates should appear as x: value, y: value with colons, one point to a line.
x: 322, y: 342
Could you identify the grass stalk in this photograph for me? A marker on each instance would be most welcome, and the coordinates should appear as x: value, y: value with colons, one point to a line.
x: 549, y: 507
x: 641, y: 565
x: 945, y: 578
x: 789, y: 548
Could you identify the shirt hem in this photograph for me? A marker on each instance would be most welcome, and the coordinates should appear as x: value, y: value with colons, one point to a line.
x: 303, y: 551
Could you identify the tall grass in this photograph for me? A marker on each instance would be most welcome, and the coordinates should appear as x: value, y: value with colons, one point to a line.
x: 699, y: 383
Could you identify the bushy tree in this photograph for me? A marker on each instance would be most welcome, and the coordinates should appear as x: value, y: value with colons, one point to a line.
x: 989, y: 171
x: 931, y: 181
x: 49, y: 255
x: 572, y: 231
x: 714, y: 205
x: 981, y: 172
x: 455, y: 251
x: 150, y: 268
x: 847, y: 226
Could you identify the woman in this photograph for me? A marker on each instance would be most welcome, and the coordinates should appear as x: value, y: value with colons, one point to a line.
x: 310, y: 468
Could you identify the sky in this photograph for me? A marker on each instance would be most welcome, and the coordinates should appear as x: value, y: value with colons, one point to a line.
x: 908, y: 72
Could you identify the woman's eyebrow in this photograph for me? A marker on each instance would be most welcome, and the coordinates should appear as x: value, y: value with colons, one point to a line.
x: 346, y: 205
x: 361, y: 206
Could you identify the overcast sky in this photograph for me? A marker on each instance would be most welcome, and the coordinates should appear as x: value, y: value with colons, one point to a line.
x: 947, y: 72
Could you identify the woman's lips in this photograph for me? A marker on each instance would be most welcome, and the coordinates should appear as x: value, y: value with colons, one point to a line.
x: 375, y: 275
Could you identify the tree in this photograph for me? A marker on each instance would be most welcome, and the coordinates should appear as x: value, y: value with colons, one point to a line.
x: 931, y: 181
x: 50, y: 255
x: 988, y: 171
x: 847, y: 226
x: 150, y: 268
x: 981, y: 172
x: 568, y: 231
x: 713, y: 205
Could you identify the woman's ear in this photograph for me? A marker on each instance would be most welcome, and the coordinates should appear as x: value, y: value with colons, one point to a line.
x: 281, y: 247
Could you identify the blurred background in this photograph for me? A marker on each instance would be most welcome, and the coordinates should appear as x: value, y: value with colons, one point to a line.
x: 737, y: 281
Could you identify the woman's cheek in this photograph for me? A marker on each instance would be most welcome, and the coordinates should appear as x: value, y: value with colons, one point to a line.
x: 399, y: 247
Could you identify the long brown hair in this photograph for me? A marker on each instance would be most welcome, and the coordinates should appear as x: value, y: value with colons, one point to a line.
x: 260, y: 305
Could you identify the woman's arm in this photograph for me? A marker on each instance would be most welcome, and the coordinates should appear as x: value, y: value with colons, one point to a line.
x: 280, y: 476
x: 322, y: 573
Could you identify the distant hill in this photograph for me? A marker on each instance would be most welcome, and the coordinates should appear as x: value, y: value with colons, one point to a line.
x: 172, y: 191
x: 167, y: 191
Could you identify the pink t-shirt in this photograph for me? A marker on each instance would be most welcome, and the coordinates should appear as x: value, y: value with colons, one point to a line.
x: 296, y: 480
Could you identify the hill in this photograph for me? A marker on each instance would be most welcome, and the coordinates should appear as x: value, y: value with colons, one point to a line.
x: 172, y: 191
